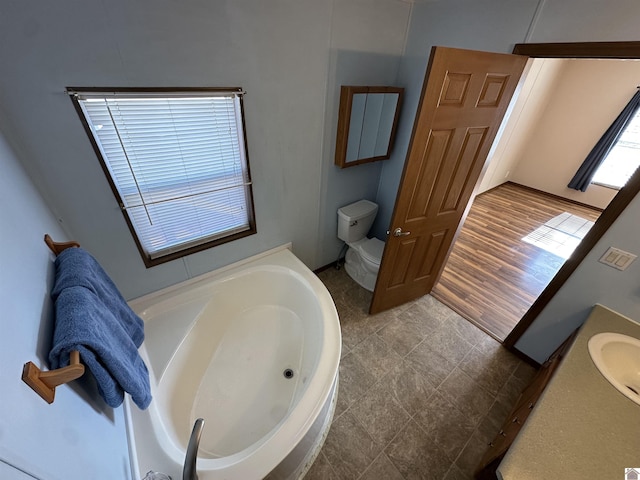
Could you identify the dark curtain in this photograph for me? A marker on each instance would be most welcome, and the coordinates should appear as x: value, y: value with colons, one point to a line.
x: 582, y: 178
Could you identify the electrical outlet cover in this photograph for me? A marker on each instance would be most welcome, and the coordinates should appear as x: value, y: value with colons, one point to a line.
x: 616, y: 258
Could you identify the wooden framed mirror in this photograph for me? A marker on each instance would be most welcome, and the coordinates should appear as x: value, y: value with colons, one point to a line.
x: 367, y: 121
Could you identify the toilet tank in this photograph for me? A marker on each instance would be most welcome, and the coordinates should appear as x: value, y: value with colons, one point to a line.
x: 355, y: 220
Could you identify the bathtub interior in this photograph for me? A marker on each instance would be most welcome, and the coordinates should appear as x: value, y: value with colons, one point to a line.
x: 166, y: 326
x: 244, y: 392
x: 220, y: 352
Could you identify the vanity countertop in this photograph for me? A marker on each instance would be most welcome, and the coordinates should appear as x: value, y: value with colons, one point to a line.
x: 581, y: 427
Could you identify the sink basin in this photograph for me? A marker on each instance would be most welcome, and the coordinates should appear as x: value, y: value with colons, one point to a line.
x: 617, y: 357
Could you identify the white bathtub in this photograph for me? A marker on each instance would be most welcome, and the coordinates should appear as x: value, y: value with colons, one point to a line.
x: 217, y: 347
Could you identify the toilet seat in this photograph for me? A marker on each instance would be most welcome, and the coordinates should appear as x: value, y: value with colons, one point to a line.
x: 371, y: 251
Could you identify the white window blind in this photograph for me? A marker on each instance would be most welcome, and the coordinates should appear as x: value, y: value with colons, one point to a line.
x: 623, y: 159
x: 178, y: 163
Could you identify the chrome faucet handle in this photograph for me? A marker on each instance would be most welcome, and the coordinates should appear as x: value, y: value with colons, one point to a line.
x: 151, y: 475
x: 189, y: 470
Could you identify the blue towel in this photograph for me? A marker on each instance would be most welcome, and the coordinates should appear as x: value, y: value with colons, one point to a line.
x: 93, y: 318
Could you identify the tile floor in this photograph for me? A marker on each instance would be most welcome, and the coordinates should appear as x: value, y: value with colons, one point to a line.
x: 422, y: 391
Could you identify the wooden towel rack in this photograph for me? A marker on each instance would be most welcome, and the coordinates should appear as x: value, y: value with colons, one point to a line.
x: 45, y: 383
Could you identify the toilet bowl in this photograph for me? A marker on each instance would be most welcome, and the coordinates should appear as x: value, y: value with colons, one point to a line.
x: 362, y: 260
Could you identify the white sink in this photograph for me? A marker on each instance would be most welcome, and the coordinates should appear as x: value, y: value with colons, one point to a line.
x: 617, y: 357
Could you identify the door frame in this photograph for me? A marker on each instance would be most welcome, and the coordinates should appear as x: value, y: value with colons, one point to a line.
x: 611, y: 50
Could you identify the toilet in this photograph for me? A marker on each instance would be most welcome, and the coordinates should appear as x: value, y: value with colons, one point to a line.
x: 362, y: 261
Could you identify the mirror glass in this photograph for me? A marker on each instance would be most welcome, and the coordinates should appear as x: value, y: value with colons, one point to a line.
x: 366, y: 124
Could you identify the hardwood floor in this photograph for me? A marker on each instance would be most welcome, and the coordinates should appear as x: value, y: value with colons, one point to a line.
x: 492, y: 277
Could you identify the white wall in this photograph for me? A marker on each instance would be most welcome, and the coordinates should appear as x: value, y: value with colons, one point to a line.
x: 289, y: 55
x: 521, y: 119
x: 77, y: 436
x: 585, y: 99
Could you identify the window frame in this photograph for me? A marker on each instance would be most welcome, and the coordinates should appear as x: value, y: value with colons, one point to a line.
x: 634, y: 122
x: 74, y: 92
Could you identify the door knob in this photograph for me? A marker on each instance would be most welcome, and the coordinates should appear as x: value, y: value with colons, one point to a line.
x: 399, y: 233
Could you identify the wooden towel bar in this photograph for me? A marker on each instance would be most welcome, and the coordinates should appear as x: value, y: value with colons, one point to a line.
x: 45, y: 383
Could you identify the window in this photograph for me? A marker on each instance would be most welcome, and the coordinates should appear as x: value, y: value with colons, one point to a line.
x: 177, y: 163
x: 623, y: 159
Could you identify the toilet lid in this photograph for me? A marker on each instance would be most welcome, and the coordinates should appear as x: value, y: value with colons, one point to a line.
x: 372, y: 249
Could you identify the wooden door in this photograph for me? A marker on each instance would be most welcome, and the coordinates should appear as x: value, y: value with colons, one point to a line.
x: 464, y: 98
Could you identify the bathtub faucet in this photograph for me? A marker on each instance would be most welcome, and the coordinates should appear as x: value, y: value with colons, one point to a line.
x: 189, y: 470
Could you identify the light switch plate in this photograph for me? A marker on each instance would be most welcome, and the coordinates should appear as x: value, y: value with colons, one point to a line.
x: 616, y: 258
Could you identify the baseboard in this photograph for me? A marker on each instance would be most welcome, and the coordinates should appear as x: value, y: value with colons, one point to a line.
x: 326, y: 267
x: 553, y: 195
x: 522, y: 356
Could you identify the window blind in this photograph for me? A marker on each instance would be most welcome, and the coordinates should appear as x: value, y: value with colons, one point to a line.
x: 623, y: 158
x: 178, y: 163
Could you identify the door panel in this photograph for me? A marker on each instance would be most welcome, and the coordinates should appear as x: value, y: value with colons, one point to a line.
x: 401, y: 265
x: 452, y: 183
x: 432, y: 248
x: 464, y: 98
x: 436, y: 150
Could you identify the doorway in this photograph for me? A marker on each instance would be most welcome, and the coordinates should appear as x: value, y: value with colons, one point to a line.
x: 514, y: 240
x: 518, y: 235
x: 619, y: 50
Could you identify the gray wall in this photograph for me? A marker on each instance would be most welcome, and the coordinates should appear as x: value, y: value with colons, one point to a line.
x: 496, y: 25
x: 367, y: 52
x: 78, y: 436
x: 290, y: 56
x: 490, y: 25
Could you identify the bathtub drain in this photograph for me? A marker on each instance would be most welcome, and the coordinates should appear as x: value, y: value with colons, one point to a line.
x: 288, y: 373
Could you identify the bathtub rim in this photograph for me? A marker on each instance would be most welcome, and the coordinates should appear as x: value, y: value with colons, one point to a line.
x: 145, y: 301
x: 260, y: 453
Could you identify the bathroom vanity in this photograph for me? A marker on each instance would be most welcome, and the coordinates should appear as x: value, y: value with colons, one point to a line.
x: 580, y: 425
